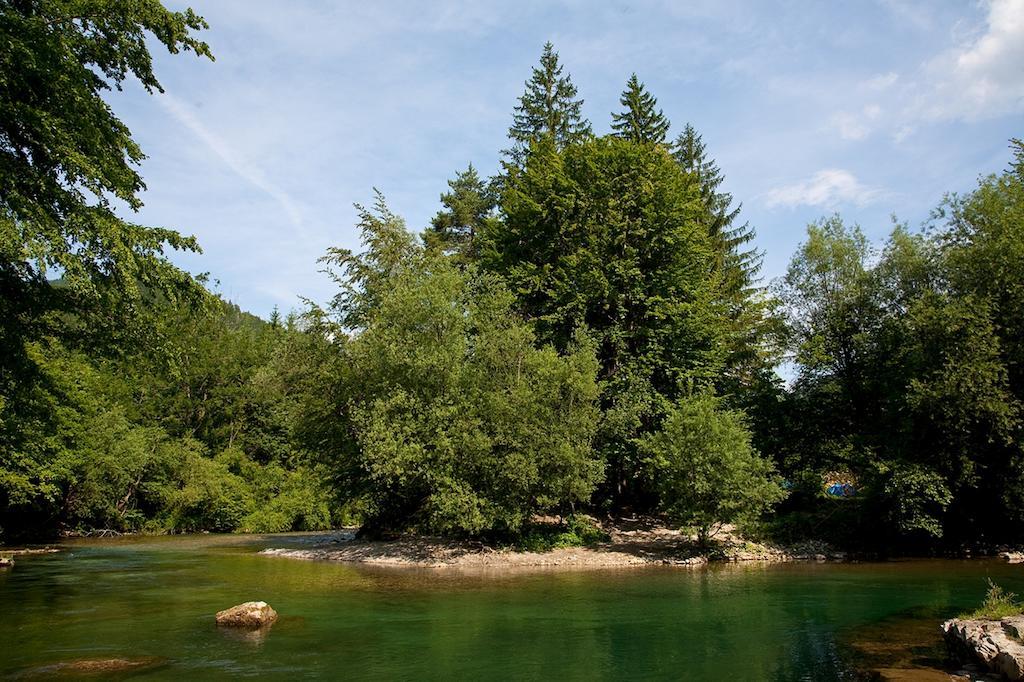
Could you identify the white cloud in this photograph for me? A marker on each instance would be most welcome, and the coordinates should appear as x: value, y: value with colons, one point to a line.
x: 857, y: 125
x: 982, y: 78
x: 882, y: 81
x: 918, y: 15
x: 827, y: 188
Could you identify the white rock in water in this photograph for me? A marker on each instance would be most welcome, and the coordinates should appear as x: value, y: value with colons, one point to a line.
x: 996, y: 643
x: 1013, y: 557
x: 251, y: 614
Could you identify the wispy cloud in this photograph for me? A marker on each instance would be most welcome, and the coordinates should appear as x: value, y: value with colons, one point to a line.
x: 857, y: 125
x: 979, y: 77
x: 882, y: 81
x: 310, y: 104
x: 241, y: 167
x: 827, y: 188
x: 984, y: 76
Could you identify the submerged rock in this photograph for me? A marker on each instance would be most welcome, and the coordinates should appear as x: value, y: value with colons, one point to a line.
x: 251, y: 615
x: 996, y: 643
x: 6, y: 562
x: 99, y: 667
x: 913, y: 675
x: 1013, y: 557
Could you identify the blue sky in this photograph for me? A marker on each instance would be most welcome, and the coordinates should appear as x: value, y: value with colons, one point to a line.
x: 866, y: 108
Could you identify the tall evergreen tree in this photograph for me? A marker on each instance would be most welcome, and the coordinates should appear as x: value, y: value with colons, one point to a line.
x: 641, y: 121
x: 601, y: 235
x: 467, y: 208
x: 737, y: 261
x: 549, y: 107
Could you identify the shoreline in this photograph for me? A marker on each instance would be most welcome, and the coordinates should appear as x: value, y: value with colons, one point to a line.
x: 629, y: 546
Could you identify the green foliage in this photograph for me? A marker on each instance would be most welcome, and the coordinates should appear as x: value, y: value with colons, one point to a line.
x: 912, y: 499
x: 605, y: 235
x: 982, y: 237
x: 548, y: 109
x: 838, y: 521
x: 462, y: 425
x: 210, y: 497
x: 753, y: 329
x: 468, y: 207
x: 364, y: 279
x: 538, y: 352
x: 908, y: 368
x: 284, y: 499
x: 64, y: 155
x: 576, y: 531
x: 123, y: 445
x: 640, y: 122
x: 707, y: 472
x: 998, y: 604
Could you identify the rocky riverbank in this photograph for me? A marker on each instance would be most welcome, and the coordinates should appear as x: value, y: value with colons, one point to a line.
x: 631, y: 543
x: 997, y: 644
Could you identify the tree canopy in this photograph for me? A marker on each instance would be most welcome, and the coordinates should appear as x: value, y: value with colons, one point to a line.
x: 605, y: 236
x: 585, y: 332
x: 64, y: 154
x: 460, y: 423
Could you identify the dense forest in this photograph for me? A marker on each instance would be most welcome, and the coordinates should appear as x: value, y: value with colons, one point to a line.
x: 587, y: 331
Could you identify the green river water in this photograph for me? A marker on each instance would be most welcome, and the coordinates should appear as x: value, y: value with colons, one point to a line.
x: 155, y: 597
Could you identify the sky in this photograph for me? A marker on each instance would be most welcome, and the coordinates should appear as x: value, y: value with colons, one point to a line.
x: 871, y: 109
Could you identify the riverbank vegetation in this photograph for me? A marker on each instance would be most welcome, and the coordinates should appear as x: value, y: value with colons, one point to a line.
x: 586, y: 331
x: 998, y: 604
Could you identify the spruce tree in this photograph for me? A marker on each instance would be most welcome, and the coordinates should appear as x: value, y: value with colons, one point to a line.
x: 740, y: 263
x: 737, y: 262
x: 467, y: 208
x: 549, y: 107
x: 641, y: 121
x: 602, y: 236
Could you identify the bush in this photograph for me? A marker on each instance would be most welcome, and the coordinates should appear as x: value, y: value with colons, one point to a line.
x: 707, y: 472
x: 211, y: 498
x: 575, y: 531
x: 299, y: 503
x: 462, y: 425
x: 912, y: 499
x: 998, y: 604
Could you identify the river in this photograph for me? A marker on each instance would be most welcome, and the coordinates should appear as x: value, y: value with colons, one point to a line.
x: 155, y: 597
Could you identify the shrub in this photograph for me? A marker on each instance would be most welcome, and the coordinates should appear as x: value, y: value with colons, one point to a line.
x: 576, y: 531
x: 998, y: 604
x: 707, y: 472
x: 211, y: 498
x: 462, y: 425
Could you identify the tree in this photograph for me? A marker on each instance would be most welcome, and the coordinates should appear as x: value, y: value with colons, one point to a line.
x: 737, y: 262
x: 549, y: 107
x: 602, y: 236
x: 831, y: 300
x: 364, y: 279
x: 904, y: 381
x: 639, y: 122
x: 707, y: 472
x: 64, y: 155
x: 458, y: 422
x: 982, y: 234
x: 197, y: 434
x: 71, y: 270
x: 467, y: 209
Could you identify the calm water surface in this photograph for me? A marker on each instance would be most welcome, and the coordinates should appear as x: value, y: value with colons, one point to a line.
x: 157, y: 596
